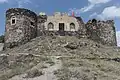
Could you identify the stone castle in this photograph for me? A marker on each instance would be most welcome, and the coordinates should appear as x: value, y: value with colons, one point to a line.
x: 22, y: 25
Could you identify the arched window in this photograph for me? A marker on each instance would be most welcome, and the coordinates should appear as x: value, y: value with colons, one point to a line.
x: 50, y: 26
x: 72, y: 26
x: 13, y: 20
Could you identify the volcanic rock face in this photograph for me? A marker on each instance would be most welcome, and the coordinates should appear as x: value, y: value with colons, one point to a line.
x: 60, y: 58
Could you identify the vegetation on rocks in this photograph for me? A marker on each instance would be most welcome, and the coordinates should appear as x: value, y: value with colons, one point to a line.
x: 2, y: 39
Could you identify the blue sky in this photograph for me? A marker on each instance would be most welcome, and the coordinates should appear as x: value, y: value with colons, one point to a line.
x: 87, y: 9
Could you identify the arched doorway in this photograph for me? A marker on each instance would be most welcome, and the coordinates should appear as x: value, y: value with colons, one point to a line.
x: 61, y: 29
x: 61, y: 26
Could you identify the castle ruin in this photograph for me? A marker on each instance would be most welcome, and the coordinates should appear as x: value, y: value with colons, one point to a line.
x: 22, y: 25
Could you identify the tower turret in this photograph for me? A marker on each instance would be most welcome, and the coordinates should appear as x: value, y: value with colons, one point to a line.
x: 21, y: 26
x: 102, y: 31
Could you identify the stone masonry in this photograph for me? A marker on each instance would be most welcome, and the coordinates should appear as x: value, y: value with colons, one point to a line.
x: 23, y: 25
x: 102, y: 31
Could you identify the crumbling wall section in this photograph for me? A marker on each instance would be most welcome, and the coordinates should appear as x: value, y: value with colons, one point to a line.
x: 23, y: 29
x: 82, y: 29
x: 41, y: 24
x: 102, y: 32
x: 57, y: 33
x: 107, y: 32
x: 92, y: 30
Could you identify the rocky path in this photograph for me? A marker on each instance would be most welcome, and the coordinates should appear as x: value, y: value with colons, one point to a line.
x: 48, y: 72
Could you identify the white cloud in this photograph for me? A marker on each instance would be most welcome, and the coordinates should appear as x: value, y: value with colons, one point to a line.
x: 20, y: 3
x: 3, y: 1
x: 118, y: 38
x: 87, y: 8
x: 93, y: 15
x: 91, y: 5
x: 98, y: 1
x: 110, y: 13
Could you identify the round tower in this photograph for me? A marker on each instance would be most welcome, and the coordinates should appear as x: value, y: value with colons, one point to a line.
x: 21, y: 26
x: 102, y: 31
x: 108, y: 32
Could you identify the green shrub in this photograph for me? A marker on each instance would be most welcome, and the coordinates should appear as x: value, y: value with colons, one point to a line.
x: 2, y: 39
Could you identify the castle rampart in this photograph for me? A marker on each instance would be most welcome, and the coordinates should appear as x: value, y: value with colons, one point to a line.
x: 23, y: 25
x: 102, y: 31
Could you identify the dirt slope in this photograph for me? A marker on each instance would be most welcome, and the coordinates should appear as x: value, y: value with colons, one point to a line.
x: 60, y: 58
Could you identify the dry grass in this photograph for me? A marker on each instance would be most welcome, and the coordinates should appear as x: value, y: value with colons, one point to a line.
x: 22, y: 64
x: 88, y: 69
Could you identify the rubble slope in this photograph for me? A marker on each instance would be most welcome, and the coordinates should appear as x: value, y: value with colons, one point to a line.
x: 60, y: 58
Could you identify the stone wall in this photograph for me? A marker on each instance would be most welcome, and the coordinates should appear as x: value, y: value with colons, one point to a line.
x: 41, y: 24
x: 65, y: 19
x: 102, y: 32
x: 57, y: 33
x: 107, y: 32
x: 82, y: 28
x: 23, y: 29
x: 43, y: 21
x: 27, y: 25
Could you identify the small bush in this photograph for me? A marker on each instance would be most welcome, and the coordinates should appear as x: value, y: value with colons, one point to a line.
x: 2, y: 39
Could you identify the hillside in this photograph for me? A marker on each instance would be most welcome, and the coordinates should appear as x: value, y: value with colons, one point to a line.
x: 60, y: 58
